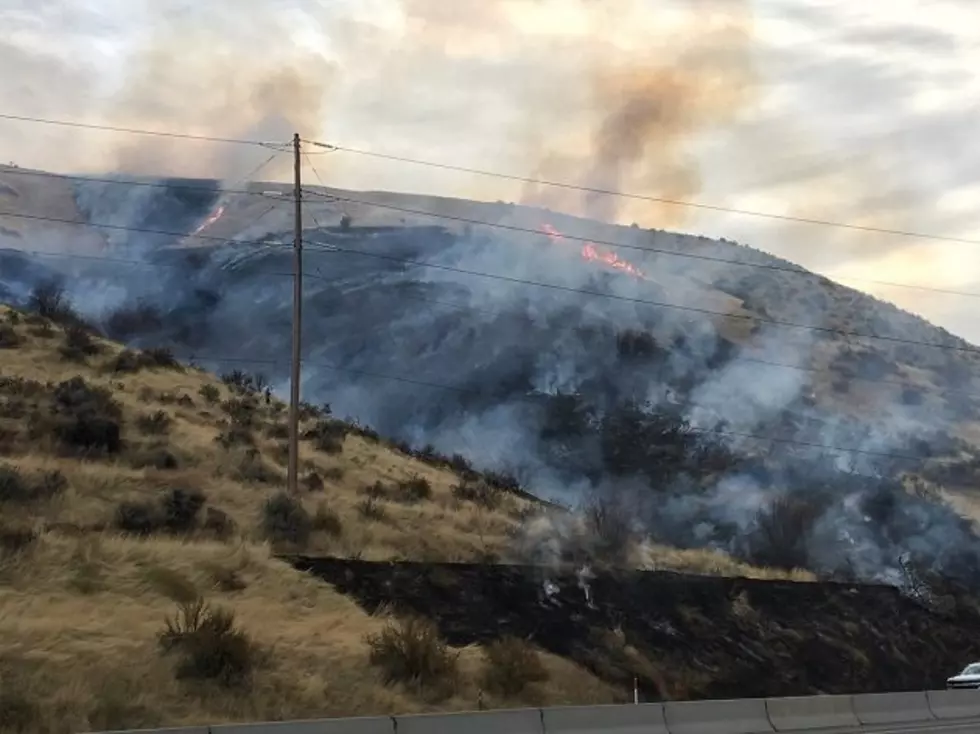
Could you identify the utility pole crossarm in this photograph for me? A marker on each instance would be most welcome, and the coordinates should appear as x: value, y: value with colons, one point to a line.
x: 292, y: 476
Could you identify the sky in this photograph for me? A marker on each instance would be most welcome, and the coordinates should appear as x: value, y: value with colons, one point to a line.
x: 822, y: 109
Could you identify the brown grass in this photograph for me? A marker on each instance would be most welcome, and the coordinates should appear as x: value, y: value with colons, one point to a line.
x: 83, y: 605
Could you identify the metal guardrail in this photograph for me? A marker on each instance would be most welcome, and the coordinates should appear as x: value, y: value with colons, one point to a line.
x: 873, y: 713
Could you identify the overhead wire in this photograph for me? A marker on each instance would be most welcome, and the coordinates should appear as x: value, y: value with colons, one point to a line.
x: 794, y: 270
x: 196, y: 358
x: 511, y: 279
x: 331, y: 147
x: 280, y: 147
x: 267, y: 246
x: 136, y: 131
x: 462, y: 390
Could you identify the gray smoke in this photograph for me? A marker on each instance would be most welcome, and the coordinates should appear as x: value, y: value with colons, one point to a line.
x: 540, y: 382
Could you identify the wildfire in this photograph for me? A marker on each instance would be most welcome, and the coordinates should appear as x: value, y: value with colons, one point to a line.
x: 592, y: 253
x: 212, y: 218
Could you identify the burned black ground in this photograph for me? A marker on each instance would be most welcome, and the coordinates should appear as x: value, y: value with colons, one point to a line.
x: 682, y: 637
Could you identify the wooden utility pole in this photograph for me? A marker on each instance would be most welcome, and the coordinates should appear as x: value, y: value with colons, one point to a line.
x: 292, y: 476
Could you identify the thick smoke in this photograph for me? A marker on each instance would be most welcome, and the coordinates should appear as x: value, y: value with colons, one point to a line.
x: 545, y: 383
x: 577, y: 395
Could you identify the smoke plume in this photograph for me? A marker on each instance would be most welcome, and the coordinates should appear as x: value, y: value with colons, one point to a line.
x: 691, y: 425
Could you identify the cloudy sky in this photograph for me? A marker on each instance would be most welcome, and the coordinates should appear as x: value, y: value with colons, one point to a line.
x: 822, y: 109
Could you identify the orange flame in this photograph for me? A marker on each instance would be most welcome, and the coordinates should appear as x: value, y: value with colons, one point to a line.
x: 592, y: 253
x: 214, y: 217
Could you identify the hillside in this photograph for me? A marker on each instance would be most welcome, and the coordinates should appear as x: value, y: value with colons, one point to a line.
x: 537, y: 356
x: 129, y: 483
x: 133, y: 489
x: 607, y: 417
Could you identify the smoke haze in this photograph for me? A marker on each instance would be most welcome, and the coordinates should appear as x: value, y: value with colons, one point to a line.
x: 724, y: 101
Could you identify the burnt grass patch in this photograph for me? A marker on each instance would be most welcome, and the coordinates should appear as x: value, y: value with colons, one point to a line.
x: 681, y: 636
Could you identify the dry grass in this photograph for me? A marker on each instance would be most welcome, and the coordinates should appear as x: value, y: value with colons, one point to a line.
x: 81, y: 617
x: 710, y: 563
x: 83, y: 604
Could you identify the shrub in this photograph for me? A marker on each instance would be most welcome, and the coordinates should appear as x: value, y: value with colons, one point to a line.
x: 782, y: 532
x: 177, y: 513
x: 129, y: 361
x: 241, y: 411
x: 412, y: 652
x: 415, y: 489
x: 9, y: 338
x: 327, y: 521
x: 154, y: 424
x: 510, y: 666
x: 244, y: 383
x: 461, y: 465
x: 312, y: 482
x: 138, y: 518
x: 19, y: 714
x: 79, y: 344
x: 15, y: 538
x: 49, y: 300
x: 278, y: 430
x: 609, y: 524
x: 136, y: 320
x: 210, y: 393
x: 638, y: 345
x: 327, y: 435
x: 154, y: 457
x: 181, y: 508
x: 162, y: 358
x: 218, y: 523
x: 210, y: 645
x: 479, y: 493
x: 284, y: 519
x: 334, y: 473
x: 503, y: 481
x: 87, y: 418
x: 227, y: 579
x: 18, y: 488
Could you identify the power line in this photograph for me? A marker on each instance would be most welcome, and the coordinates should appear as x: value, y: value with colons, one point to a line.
x: 538, y: 284
x: 151, y: 184
x: 461, y: 390
x: 268, y: 246
x: 642, y: 197
x: 137, y: 131
x: 794, y: 269
x: 741, y: 357
x: 658, y: 304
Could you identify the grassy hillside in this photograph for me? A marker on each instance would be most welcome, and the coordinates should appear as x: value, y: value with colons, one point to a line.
x: 131, y: 485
